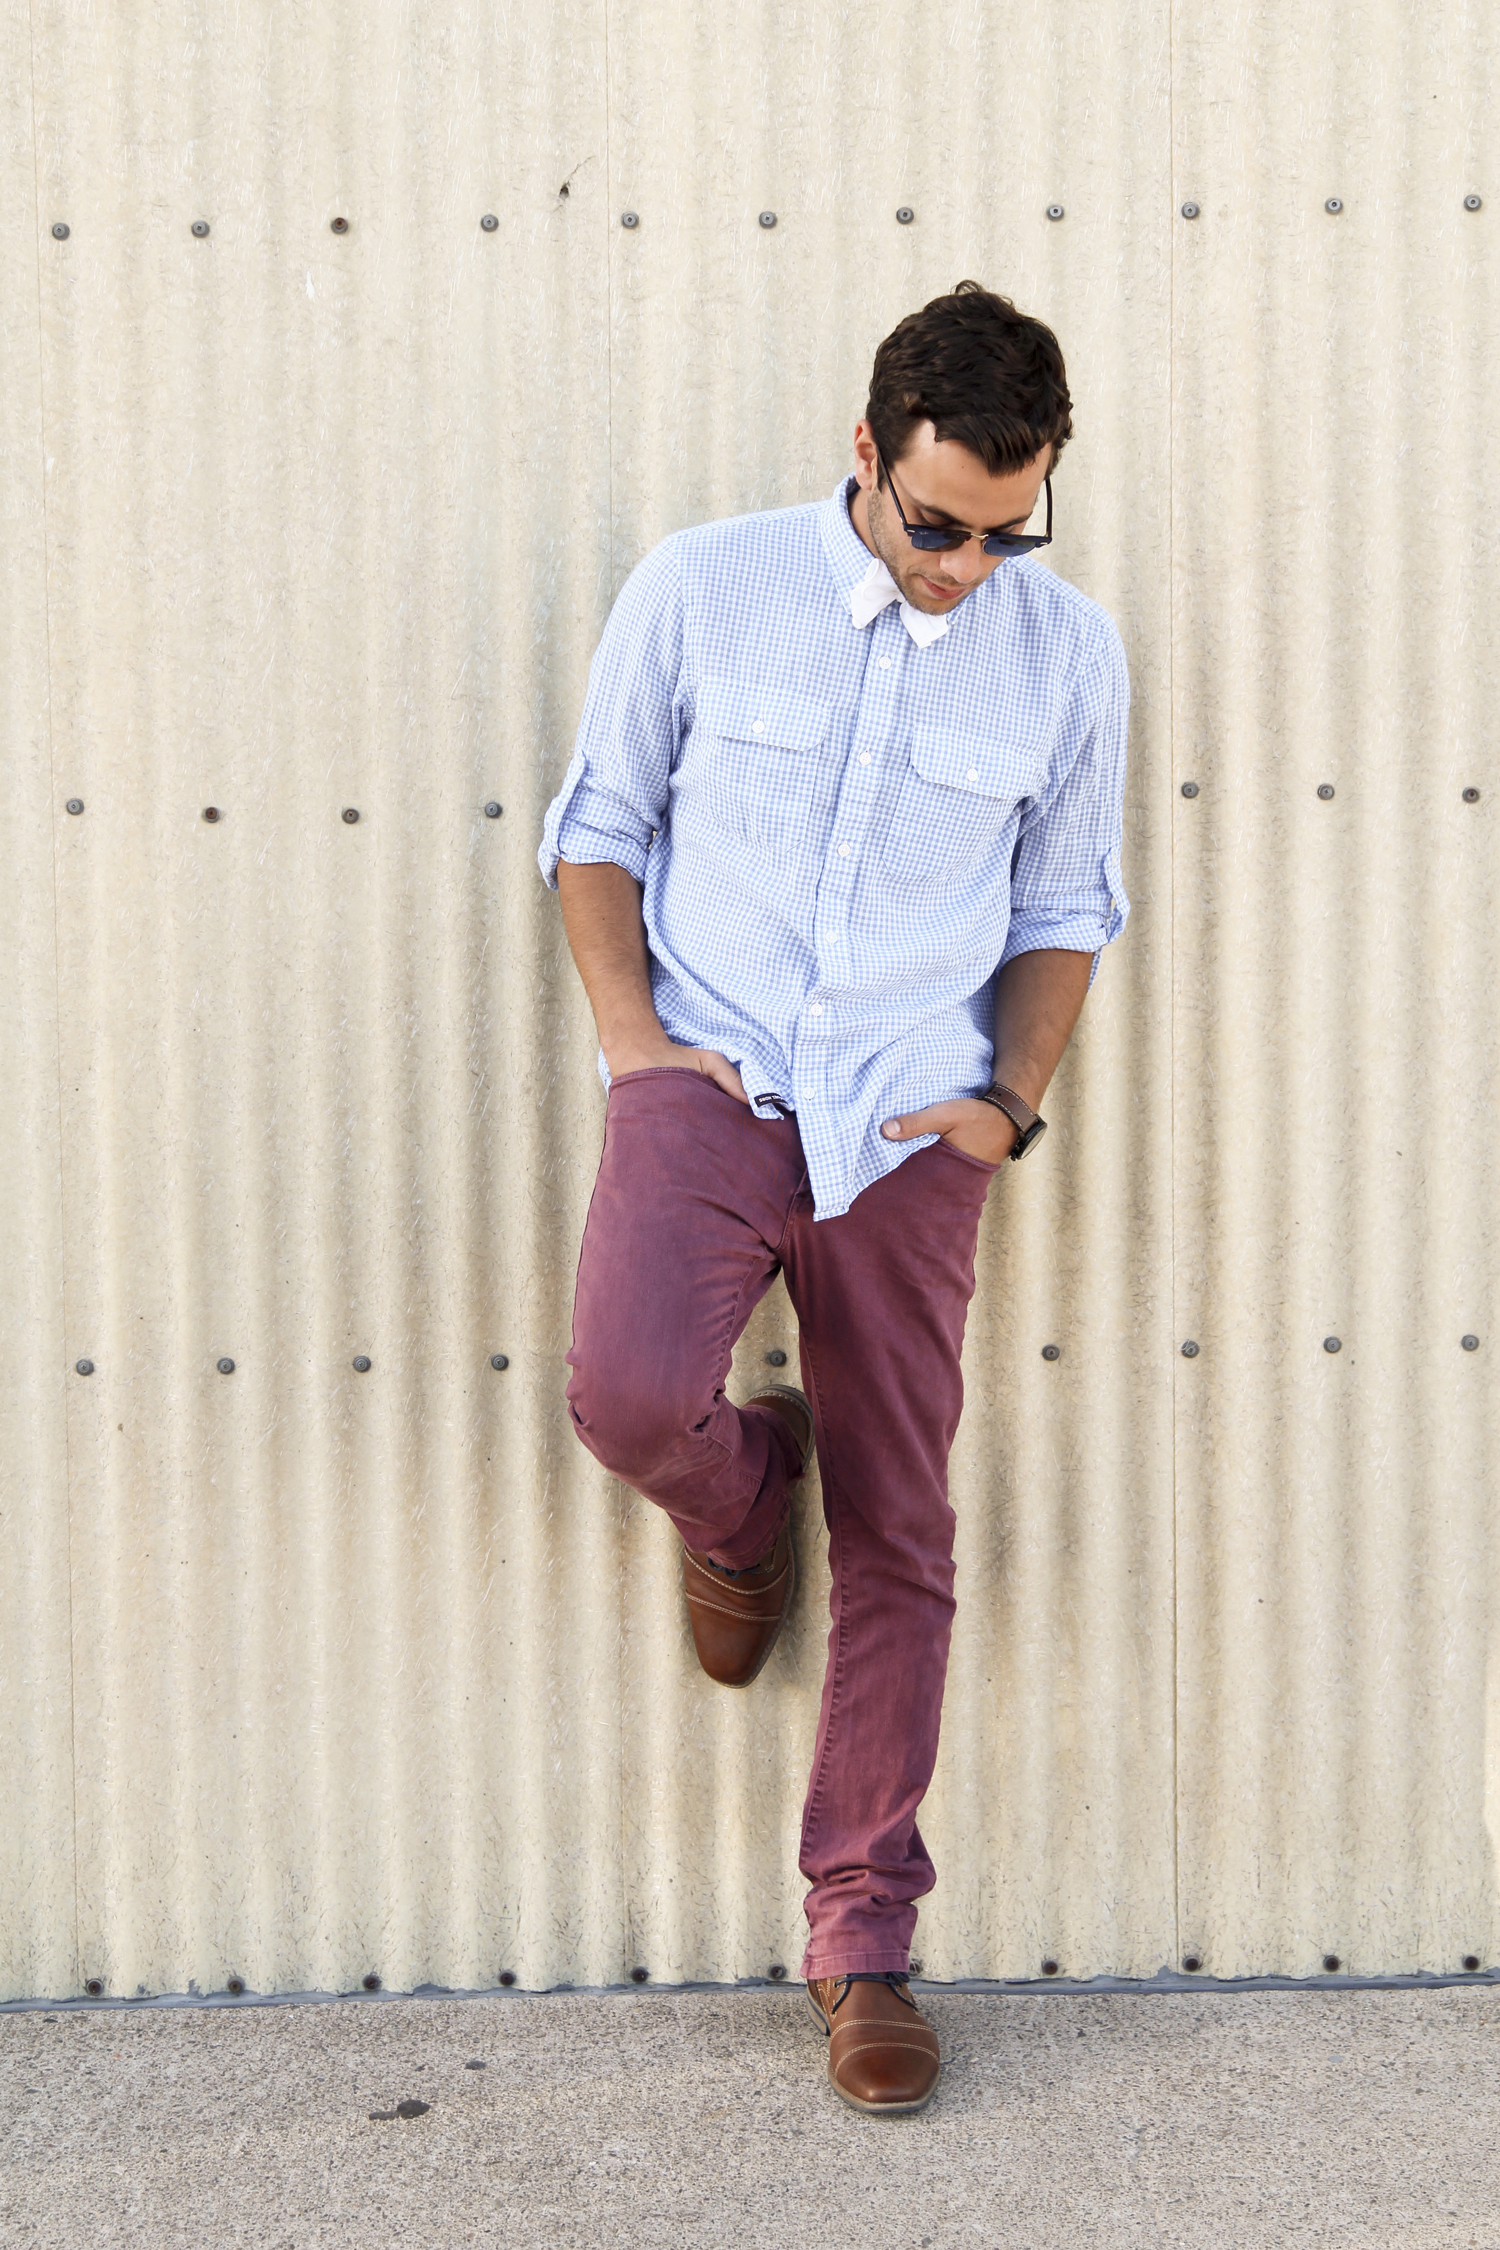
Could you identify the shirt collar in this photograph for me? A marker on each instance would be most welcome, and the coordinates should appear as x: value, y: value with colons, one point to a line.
x: 862, y: 578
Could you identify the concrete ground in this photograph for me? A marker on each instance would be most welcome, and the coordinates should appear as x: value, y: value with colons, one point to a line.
x: 702, y: 2117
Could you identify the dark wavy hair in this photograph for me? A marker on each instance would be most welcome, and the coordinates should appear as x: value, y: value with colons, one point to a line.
x: 986, y: 376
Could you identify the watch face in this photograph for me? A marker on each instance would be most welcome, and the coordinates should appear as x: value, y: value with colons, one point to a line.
x: 1029, y: 1138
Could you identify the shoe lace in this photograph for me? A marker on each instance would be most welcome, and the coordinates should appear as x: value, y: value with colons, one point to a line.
x: 895, y: 1978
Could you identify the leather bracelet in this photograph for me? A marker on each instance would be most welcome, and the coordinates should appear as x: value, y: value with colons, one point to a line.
x: 1029, y: 1127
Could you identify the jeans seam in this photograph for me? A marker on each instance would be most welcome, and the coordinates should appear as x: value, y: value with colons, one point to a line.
x: 786, y: 1224
x: 725, y: 1333
x: 833, y: 1503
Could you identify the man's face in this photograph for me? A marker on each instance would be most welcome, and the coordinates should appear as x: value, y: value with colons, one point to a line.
x: 942, y: 483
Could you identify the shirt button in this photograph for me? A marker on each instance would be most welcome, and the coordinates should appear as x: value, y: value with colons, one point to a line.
x: 759, y: 727
x: 973, y: 773
x: 843, y: 851
x: 816, y: 1009
x: 864, y: 757
x: 885, y: 664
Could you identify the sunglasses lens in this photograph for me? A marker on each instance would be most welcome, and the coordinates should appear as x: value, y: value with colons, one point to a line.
x: 931, y: 540
x: 1015, y: 544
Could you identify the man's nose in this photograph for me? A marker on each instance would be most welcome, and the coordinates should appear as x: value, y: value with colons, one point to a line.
x: 965, y: 565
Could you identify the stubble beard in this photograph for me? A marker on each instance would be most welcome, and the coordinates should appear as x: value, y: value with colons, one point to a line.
x: 905, y: 573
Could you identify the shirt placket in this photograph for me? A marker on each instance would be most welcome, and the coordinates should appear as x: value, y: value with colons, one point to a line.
x: 826, y: 1035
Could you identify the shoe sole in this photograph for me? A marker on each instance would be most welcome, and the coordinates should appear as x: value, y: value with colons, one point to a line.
x: 867, y: 2109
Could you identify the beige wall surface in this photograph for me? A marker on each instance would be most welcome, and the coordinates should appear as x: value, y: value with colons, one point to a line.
x: 308, y: 1675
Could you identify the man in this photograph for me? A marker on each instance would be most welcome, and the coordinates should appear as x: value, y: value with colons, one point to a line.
x: 837, y: 851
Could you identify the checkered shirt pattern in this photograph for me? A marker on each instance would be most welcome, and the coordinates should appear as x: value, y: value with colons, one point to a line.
x: 841, y: 835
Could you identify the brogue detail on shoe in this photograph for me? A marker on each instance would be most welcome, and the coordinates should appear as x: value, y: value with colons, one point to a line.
x: 890, y: 2067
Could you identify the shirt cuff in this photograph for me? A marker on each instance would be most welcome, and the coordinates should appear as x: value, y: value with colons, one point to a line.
x: 590, y: 834
x: 1079, y: 931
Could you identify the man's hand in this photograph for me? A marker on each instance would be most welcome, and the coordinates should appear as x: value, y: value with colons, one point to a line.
x: 602, y: 911
x: 644, y: 1052
x: 977, y: 1128
x: 1037, y: 999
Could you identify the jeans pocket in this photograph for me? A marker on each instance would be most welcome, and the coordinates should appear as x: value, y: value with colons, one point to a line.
x: 656, y: 1070
x: 964, y: 1157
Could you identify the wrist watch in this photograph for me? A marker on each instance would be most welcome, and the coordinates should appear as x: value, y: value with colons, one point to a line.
x: 1029, y: 1127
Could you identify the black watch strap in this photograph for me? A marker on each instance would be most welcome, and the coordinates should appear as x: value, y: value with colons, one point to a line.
x: 1029, y: 1127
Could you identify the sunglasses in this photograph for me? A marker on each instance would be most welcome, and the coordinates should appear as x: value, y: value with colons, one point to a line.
x: 936, y: 539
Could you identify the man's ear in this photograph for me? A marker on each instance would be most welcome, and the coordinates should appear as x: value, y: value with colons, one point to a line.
x: 864, y: 456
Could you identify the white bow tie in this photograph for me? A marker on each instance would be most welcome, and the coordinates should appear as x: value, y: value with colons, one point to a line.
x: 877, y: 590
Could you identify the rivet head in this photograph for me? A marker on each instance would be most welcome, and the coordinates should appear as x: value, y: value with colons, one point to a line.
x: 351, y: 814
x: 1052, y: 1351
x: 1334, y: 204
x: 75, y: 805
x: 499, y: 1362
x: 83, y: 1366
x: 94, y: 1987
x: 630, y: 219
x: 1333, y: 1344
x: 507, y: 1977
x: 338, y: 226
x: 1469, y: 1343
x: 1473, y: 202
x: 1191, y: 1963
x: 904, y: 214
x: 776, y: 1971
x: 225, y: 1366
x: 776, y: 1358
x: 61, y: 230
x: 1190, y: 789
x: 200, y: 228
x: 640, y: 1976
x: 1331, y: 1963
x: 1471, y: 796
x: 1325, y: 790
x: 371, y: 1983
x: 768, y: 218
x: 1191, y: 210
x: 236, y: 1985
x: 1190, y: 1349
x: 1471, y: 1960
x: 1054, y: 211
x: 211, y: 813
x: 1049, y: 1968
x: 493, y: 809
x: 361, y: 1364
x: 489, y: 222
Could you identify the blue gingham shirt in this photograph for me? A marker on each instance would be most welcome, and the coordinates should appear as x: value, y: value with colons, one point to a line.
x: 841, y: 834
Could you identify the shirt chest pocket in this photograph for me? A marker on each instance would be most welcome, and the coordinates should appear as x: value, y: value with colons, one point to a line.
x: 758, y: 764
x: 953, y: 801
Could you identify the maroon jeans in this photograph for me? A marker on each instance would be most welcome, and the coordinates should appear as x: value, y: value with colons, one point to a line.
x: 698, y: 1205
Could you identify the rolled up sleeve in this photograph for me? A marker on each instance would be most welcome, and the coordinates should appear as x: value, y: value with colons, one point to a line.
x: 1067, y: 890
x: 614, y: 794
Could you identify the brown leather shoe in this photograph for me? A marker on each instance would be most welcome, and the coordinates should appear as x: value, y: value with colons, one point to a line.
x: 882, y: 2052
x: 737, y: 1615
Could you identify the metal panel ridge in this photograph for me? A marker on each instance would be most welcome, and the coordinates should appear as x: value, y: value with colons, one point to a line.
x: 326, y: 529
x: 1336, y: 667
x: 37, y: 1952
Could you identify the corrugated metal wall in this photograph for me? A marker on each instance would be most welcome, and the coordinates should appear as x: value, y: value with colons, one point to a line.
x: 307, y: 1674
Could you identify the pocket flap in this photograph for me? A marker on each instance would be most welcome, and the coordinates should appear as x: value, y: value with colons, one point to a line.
x: 751, y: 714
x: 982, y: 766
